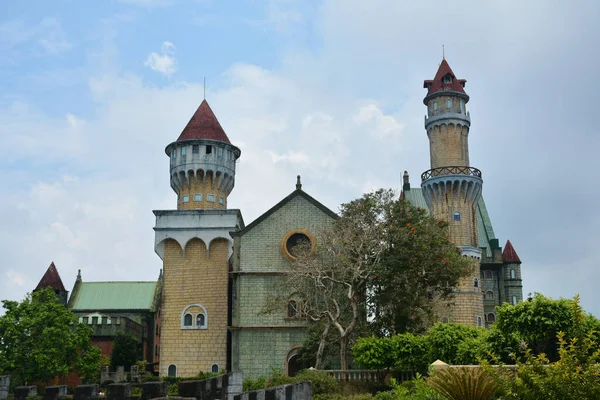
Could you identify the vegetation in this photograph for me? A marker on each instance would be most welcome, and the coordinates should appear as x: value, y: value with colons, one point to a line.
x: 322, y: 384
x: 40, y: 339
x: 126, y: 351
x: 464, y: 383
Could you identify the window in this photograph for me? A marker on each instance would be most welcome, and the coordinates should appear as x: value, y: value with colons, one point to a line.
x: 221, y: 200
x: 208, y: 149
x: 173, y: 154
x: 219, y: 152
x: 214, y: 369
x: 198, y: 197
x: 475, y: 282
x: 456, y: 216
x: 187, y: 320
x: 479, y: 321
x: 491, y: 318
x: 488, y: 275
x: 186, y: 198
x: 435, y: 106
x: 211, y: 198
x: 514, y: 300
x: 297, y: 239
x: 195, y: 149
x: 183, y: 151
x: 462, y: 106
x: 200, y: 321
x: 172, y: 370
x: 448, y: 103
x: 445, y: 320
x: 513, y: 275
x: 447, y: 79
x: 292, y: 309
x: 489, y: 295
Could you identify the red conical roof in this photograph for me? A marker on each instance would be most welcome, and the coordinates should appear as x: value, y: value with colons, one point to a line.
x: 509, y: 255
x: 204, y: 125
x: 436, y: 84
x: 51, y: 279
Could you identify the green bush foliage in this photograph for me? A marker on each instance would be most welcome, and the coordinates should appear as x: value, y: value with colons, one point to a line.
x: 464, y: 383
x: 321, y: 382
x: 415, y: 389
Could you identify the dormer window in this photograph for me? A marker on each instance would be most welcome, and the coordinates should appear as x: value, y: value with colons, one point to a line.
x: 447, y: 79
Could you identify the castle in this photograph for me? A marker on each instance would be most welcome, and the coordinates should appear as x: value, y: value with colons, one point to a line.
x: 206, y: 310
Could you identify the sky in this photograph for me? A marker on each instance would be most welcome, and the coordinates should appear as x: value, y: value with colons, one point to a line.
x: 92, y: 92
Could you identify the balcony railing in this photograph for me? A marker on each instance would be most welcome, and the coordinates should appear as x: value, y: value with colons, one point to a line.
x: 455, y: 170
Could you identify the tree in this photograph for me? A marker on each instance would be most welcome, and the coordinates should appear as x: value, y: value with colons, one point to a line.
x: 126, y: 351
x: 40, y: 339
x: 382, y: 257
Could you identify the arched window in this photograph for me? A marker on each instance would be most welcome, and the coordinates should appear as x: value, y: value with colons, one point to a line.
x: 214, y: 369
x: 447, y: 79
x: 200, y: 321
x: 491, y: 318
x: 489, y: 295
x: 513, y: 275
x: 462, y: 106
x: 479, y: 321
x: 456, y: 216
x: 435, y: 106
x: 475, y: 282
x: 488, y: 274
x: 187, y: 320
x: 448, y: 103
x: 292, y: 309
x: 172, y: 370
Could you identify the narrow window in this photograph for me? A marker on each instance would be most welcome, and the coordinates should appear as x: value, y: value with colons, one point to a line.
x: 462, y: 106
x: 172, y: 371
x: 173, y: 154
x: 211, y: 198
x: 435, y: 106
x: 489, y: 275
x: 183, y: 151
x: 208, y: 149
x: 200, y: 320
x: 448, y: 103
x: 475, y: 282
x: 489, y: 295
x: 479, y: 321
x: 187, y: 320
x: 456, y: 216
x: 195, y: 149
x: 514, y: 299
x: 491, y: 318
x: 219, y: 152
x: 186, y: 198
x: 198, y: 197
x: 221, y: 200
x: 512, y: 274
x: 214, y: 369
x: 292, y: 309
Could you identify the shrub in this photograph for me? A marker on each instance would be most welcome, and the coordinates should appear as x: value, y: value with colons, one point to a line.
x: 464, y: 383
x: 105, y: 384
x: 254, y: 384
x: 173, y: 389
x: 415, y: 389
x: 322, y: 383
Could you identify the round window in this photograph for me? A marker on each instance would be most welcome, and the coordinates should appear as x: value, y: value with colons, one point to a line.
x: 296, y: 242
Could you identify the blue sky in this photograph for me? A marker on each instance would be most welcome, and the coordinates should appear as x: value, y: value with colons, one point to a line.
x: 92, y: 92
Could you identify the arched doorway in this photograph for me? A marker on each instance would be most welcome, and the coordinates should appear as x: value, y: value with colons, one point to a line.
x: 293, y: 365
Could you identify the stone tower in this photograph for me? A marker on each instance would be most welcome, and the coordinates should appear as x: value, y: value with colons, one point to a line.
x: 195, y: 246
x: 452, y: 187
x: 52, y: 279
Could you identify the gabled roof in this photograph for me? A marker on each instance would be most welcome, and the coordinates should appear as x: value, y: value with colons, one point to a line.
x: 51, y: 279
x: 204, y: 125
x: 509, y: 255
x: 287, y: 199
x: 436, y: 84
x: 102, y: 296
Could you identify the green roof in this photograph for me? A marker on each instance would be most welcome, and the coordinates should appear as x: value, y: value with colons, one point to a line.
x: 485, y: 232
x: 114, y: 296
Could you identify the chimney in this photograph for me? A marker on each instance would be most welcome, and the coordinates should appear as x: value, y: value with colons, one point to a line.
x: 406, y: 185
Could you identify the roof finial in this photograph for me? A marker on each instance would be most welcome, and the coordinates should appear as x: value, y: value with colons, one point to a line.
x: 443, y: 53
x: 78, y: 274
x: 298, y: 183
x: 204, y: 88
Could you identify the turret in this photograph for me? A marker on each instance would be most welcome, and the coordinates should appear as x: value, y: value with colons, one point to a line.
x: 511, y: 274
x: 202, y: 162
x: 52, y: 280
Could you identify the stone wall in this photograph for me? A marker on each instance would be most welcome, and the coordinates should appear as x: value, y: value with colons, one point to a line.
x: 262, y: 340
x: 223, y: 387
x: 298, y: 391
x: 4, y: 386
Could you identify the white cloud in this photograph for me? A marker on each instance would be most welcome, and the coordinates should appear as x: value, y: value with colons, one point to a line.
x: 165, y: 62
x: 14, y: 278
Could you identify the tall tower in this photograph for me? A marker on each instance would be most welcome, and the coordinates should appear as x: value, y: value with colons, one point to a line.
x: 452, y: 187
x: 195, y: 246
x: 52, y: 279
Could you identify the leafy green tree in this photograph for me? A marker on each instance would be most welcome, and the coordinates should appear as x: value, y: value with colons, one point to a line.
x: 40, y: 339
x: 126, y: 351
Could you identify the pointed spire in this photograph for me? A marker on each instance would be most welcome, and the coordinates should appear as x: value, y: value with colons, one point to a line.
x: 436, y: 85
x: 204, y: 125
x: 509, y: 255
x: 298, y: 183
x: 51, y: 279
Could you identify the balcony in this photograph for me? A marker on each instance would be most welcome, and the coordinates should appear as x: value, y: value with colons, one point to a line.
x: 452, y: 170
